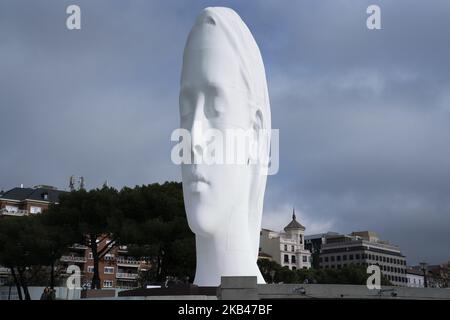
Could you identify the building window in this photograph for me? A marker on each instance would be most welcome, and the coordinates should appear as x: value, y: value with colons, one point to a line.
x: 332, y: 258
x: 109, y: 256
x: 301, y: 239
x: 344, y: 257
x: 12, y: 208
x: 326, y: 259
x: 90, y: 269
x: 286, y: 258
x: 338, y: 258
x: 90, y: 256
x: 107, y: 283
x: 285, y: 247
x: 293, y: 248
x: 109, y: 270
x: 350, y: 257
x: 357, y: 256
x: 320, y: 260
x: 304, y: 259
x: 293, y: 259
x: 35, y: 210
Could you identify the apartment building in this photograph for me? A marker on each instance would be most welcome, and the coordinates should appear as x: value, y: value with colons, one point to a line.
x: 117, y: 269
x: 364, y: 248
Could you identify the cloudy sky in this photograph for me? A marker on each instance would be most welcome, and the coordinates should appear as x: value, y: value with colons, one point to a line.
x: 363, y: 114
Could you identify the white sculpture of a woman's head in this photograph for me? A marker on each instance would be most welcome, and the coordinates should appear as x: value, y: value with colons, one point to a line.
x: 223, y: 87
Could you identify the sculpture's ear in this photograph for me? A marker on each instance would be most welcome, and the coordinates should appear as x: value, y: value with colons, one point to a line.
x: 257, y: 126
x: 258, y: 120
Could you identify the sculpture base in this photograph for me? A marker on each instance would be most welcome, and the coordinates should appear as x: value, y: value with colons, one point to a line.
x: 179, y: 290
x: 246, y: 288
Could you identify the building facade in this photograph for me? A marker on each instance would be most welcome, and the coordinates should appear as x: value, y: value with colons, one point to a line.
x: 415, y: 278
x: 364, y: 248
x: 286, y: 248
x: 117, y: 269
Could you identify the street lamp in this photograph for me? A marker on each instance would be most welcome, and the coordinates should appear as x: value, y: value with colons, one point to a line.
x: 423, y: 266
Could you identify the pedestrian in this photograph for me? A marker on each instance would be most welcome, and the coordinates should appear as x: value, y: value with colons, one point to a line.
x: 44, y: 295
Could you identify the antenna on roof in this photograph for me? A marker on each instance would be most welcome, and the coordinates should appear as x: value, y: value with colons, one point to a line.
x: 72, y: 183
x: 76, y: 185
x: 81, y: 183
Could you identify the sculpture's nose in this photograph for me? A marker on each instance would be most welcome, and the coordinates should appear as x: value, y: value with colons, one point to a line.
x: 197, y: 134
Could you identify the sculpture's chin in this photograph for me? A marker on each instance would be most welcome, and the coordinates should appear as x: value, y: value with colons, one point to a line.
x: 203, y: 220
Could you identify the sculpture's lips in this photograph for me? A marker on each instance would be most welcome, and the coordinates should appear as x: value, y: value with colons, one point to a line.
x: 197, y: 177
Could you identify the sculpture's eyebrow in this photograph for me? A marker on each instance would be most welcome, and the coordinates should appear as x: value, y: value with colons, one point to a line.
x: 211, y: 85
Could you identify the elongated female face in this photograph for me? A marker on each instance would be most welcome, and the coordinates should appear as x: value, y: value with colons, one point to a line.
x: 214, y: 102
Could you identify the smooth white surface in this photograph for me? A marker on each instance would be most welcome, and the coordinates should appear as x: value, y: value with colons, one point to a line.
x: 223, y: 86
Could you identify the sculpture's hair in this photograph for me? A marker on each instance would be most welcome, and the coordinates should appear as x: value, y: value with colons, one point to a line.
x: 253, y: 73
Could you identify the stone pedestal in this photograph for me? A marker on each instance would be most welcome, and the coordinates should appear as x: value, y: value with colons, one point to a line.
x: 238, y: 288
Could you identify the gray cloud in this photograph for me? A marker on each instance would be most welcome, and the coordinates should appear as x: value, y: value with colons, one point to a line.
x: 363, y: 115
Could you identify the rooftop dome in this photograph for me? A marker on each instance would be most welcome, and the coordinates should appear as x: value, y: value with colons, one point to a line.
x: 294, y: 224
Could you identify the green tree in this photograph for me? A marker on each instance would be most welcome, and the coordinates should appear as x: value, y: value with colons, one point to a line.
x: 152, y: 221
x: 352, y: 274
x: 87, y: 216
x: 55, y: 236
x: 21, y: 251
x: 268, y: 269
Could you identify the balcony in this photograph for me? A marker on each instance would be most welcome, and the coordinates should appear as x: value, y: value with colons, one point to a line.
x: 126, y: 287
x: 73, y: 259
x: 16, y: 213
x: 4, y: 270
x: 78, y: 246
x: 129, y: 263
x: 123, y: 275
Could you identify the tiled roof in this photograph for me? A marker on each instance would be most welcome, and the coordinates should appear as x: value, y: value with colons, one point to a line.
x: 38, y: 194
